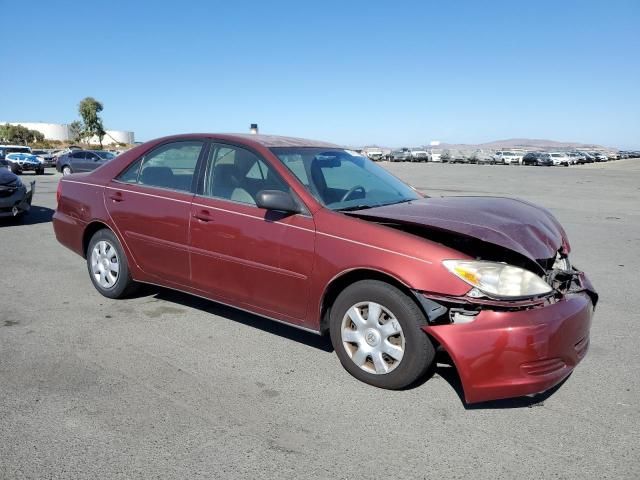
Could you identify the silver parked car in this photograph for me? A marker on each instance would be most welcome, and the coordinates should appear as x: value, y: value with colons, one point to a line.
x: 484, y: 158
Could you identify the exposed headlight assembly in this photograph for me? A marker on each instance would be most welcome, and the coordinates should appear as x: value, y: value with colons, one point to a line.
x: 498, y: 280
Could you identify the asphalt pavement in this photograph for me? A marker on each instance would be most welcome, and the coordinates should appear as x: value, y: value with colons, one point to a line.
x: 166, y: 385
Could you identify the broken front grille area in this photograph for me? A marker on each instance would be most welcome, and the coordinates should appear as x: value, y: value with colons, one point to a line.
x: 564, y: 281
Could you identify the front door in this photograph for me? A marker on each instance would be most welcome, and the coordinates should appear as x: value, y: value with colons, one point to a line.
x: 93, y: 161
x: 78, y: 161
x: 150, y: 204
x: 244, y: 254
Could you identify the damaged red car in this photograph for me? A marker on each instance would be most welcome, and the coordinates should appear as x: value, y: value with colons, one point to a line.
x: 319, y: 237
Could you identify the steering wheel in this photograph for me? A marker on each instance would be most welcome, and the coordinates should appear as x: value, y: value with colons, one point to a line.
x: 353, y: 190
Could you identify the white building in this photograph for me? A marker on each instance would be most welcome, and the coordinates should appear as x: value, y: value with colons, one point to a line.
x: 60, y: 132
x: 114, y: 136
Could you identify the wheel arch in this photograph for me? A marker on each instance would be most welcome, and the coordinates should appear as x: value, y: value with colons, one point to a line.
x: 349, y: 277
x: 90, y: 230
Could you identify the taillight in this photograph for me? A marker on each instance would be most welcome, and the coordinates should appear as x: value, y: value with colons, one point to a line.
x: 59, y: 192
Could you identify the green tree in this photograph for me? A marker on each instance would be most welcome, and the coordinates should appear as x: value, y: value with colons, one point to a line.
x: 19, y: 134
x: 75, y: 130
x: 89, y: 110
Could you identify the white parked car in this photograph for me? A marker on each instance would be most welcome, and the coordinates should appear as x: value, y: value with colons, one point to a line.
x: 374, y: 154
x: 508, y: 157
x: 560, y: 159
x: 435, y: 155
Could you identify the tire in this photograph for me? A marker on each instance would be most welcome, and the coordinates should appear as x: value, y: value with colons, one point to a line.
x: 15, y: 170
x: 411, y: 344
x: 102, y: 249
x: 66, y: 170
x: 40, y: 171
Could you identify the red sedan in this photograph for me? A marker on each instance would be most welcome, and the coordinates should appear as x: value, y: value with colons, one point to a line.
x: 319, y: 237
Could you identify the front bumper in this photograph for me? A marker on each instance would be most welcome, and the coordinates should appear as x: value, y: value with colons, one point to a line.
x: 18, y: 202
x: 503, y: 354
x: 26, y: 167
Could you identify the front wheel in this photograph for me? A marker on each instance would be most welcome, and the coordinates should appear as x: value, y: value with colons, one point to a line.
x: 107, y: 265
x: 66, y: 170
x: 40, y: 171
x: 375, y: 331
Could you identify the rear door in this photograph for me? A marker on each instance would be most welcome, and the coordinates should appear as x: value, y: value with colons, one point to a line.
x: 150, y: 204
x: 244, y: 254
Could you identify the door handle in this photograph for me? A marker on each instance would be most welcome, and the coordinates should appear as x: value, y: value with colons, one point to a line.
x: 203, y: 216
x: 116, y: 196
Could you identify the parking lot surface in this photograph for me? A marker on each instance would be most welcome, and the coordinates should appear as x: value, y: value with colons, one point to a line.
x: 170, y: 386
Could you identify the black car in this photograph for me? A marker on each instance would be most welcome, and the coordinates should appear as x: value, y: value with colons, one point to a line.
x: 539, y: 159
x: 82, y: 161
x: 15, y: 199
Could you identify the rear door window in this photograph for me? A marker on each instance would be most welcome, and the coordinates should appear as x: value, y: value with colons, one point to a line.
x: 170, y: 166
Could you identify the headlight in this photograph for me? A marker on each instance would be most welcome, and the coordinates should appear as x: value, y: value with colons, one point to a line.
x: 498, y: 279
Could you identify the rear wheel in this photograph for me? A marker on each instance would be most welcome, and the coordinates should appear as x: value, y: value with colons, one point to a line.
x: 375, y: 331
x: 40, y: 171
x: 107, y: 265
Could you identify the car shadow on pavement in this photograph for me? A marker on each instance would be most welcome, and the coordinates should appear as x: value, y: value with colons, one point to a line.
x: 286, y: 331
x: 447, y: 371
x: 35, y: 215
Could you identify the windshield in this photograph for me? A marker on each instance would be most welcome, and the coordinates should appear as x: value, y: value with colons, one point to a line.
x: 342, y: 179
x: 17, y: 150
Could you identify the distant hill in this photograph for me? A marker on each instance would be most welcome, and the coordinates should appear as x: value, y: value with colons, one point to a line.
x: 527, y: 144
x: 508, y: 144
x: 536, y: 143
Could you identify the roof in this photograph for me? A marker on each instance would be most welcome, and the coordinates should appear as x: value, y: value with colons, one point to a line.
x: 279, y: 141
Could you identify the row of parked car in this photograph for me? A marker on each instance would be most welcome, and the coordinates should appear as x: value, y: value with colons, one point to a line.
x: 503, y: 157
x: 21, y: 158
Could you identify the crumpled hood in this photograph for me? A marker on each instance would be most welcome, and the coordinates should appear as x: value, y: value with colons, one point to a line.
x: 515, y: 224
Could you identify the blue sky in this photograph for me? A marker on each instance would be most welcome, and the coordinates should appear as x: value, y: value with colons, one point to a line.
x: 356, y: 72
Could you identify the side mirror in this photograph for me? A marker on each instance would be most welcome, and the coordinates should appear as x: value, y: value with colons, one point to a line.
x: 277, y: 200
